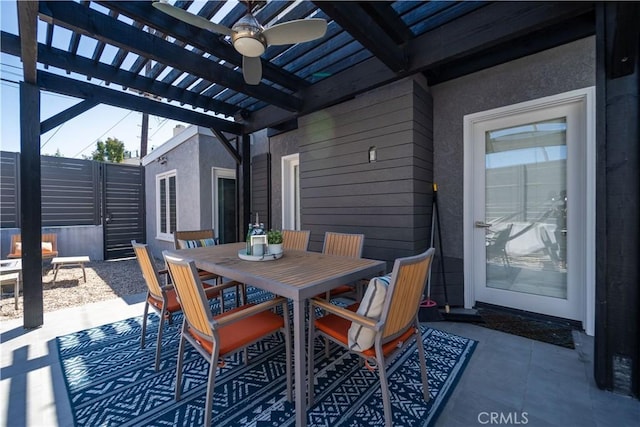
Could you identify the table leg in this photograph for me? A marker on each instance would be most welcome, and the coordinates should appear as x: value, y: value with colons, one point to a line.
x: 299, y: 363
x: 16, y: 293
x: 84, y: 274
x: 55, y: 272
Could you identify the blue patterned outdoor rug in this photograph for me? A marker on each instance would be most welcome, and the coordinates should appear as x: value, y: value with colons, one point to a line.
x: 111, y: 380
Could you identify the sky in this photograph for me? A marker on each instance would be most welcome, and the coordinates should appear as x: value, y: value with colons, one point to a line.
x: 78, y: 136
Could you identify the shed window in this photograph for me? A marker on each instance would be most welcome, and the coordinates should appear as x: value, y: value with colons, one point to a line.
x: 166, y: 205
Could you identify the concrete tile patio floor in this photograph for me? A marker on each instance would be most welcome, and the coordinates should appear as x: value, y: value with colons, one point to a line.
x: 510, y: 380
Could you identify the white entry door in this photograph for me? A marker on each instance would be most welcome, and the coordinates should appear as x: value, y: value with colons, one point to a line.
x: 529, y: 230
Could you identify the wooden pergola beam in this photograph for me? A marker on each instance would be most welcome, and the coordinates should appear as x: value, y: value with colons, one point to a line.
x: 83, y: 90
x: 105, y: 28
x: 206, y: 41
x: 353, y: 18
x: 484, y: 28
x: 28, y: 28
x: 67, y: 115
x: 51, y: 56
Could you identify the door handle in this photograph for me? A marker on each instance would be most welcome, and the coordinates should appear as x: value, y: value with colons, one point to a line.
x: 481, y: 224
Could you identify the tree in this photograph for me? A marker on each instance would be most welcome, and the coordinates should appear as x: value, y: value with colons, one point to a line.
x: 112, y: 150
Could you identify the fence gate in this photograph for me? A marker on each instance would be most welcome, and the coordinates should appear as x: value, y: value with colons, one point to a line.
x: 122, y: 209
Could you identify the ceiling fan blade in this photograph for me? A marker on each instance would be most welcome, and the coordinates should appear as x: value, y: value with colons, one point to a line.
x: 252, y: 69
x: 192, y: 19
x: 297, y: 31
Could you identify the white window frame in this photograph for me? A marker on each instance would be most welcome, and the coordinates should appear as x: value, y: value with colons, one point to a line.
x: 162, y: 234
x: 290, y: 216
x: 586, y: 268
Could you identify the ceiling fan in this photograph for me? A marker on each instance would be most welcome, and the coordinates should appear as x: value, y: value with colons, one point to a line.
x: 249, y: 37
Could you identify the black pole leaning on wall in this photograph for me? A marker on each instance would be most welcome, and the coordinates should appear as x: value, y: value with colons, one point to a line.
x: 31, y: 206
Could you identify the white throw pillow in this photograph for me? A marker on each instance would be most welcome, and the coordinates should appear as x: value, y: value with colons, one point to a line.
x: 47, y: 246
x: 361, y: 338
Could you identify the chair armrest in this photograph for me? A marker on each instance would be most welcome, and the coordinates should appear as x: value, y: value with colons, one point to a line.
x: 345, y: 314
x: 222, y: 286
x: 233, y: 316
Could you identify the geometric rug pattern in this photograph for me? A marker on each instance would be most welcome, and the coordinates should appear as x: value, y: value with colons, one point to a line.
x: 111, y: 381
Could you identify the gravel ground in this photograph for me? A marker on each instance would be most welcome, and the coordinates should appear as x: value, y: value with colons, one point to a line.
x: 105, y: 280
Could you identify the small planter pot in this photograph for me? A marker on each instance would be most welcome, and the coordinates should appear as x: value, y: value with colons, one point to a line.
x: 275, y: 248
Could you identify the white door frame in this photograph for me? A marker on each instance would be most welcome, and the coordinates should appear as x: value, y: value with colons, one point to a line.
x: 289, y: 214
x: 215, y: 174
x: 584, y: 259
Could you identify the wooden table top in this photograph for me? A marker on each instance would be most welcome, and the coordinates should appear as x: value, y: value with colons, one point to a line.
x: 297, y: 275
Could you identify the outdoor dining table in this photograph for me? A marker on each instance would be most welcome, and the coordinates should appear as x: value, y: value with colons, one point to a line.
x: 298, y: 276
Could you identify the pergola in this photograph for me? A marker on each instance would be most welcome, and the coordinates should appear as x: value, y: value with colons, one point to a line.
x: 156, y: 64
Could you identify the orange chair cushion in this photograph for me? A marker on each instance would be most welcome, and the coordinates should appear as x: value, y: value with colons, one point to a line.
x: 173, y: 305
x: 172, y: 301
x: 342, y: 289
x: 243, y: 332
x: 338, y: 328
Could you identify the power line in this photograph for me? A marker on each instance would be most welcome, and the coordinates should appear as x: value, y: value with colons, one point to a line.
x: 108, y: 130
x: 164, y: 122
x: 54, y: 134
x: 9, y: 81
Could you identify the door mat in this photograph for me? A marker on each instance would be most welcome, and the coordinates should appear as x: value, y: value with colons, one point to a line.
x: 549, y: 331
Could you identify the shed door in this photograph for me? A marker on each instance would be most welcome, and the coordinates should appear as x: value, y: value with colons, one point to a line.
x: 123, y: 210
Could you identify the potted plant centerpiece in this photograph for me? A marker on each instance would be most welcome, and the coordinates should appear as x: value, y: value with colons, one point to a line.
x: 274, y: 240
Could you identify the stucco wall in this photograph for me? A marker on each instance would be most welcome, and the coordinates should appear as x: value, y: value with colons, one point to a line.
x: 193, y: 159
x: 281, y: 145
x: 212, y: 154
x: 554, y: 71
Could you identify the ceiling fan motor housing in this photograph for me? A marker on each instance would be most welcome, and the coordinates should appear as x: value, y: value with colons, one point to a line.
x: 247, y: 37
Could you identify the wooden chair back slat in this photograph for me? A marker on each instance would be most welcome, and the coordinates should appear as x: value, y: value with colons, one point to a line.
x: 191, y: 295
x: 343, y: 244
x: 51, y: 238
x: 405, y: 292
x: 192, y: 235
x: 297, y: 240
x: 149, y: 271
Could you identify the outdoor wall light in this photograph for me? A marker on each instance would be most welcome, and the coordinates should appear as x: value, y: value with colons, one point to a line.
x: 162, y: 160
x: 373, y: 156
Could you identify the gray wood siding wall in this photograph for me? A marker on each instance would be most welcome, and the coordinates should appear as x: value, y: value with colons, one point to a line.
x: 388, y: 200
x: 260, y: 189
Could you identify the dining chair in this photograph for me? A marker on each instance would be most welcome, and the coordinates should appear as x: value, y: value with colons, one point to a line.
x: 384, y: 323
x: 343, y: 244
x: 187, y: 239
x: 162, y: 298
x: 295, y: 240
x: 216, y: 337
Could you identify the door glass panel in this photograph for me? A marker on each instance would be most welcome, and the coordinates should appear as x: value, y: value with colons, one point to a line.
x: 227, y: 210
x: 526, y: 199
